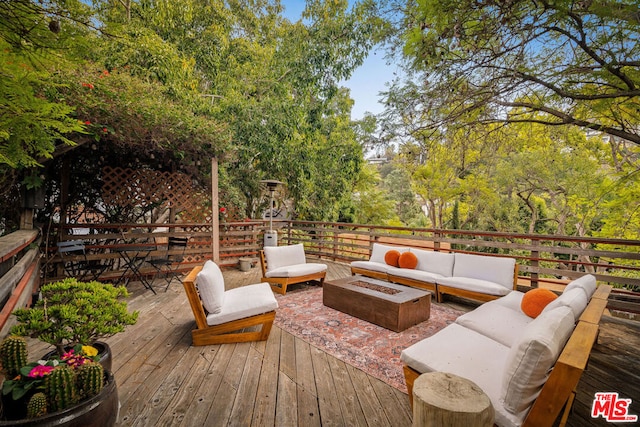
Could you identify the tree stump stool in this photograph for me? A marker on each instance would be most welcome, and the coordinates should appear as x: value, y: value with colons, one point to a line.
x: 442, y: 399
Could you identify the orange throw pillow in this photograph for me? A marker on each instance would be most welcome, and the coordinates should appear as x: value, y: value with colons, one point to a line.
x: 534, y: 301
x: 408, y: 260
x: 391, y: 257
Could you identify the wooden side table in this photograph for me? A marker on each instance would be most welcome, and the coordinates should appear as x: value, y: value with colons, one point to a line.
x: 443, y: 399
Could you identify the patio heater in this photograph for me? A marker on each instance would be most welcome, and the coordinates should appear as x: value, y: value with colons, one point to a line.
x: 271, y: 236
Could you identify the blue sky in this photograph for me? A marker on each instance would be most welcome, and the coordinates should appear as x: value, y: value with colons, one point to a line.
x: 366, y: 82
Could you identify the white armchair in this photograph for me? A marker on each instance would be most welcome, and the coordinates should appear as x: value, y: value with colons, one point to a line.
x: 285, y: 265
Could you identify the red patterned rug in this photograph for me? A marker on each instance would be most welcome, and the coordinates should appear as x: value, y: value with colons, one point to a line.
x: 368, y: 347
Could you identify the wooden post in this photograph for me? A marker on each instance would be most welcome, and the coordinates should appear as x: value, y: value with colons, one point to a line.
x: 443, y: 399
x: 215, y: 223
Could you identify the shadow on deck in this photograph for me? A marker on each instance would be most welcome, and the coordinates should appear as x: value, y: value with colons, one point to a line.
x: 163, y: 380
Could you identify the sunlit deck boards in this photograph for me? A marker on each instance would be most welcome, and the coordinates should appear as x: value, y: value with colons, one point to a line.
x: 163, y: 380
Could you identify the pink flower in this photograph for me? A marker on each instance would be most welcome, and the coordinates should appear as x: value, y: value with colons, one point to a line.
x: 40, y: 371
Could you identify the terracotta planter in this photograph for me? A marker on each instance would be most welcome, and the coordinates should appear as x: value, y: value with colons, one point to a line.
x: 99, y: 411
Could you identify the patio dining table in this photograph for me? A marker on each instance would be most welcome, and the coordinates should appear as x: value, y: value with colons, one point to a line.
x: 134, y: 256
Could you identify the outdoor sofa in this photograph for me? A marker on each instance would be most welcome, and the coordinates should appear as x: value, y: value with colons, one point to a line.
x: 528, y: 367
x: 479, y: 277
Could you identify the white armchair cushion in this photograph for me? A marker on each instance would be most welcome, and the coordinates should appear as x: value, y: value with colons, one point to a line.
x: 574, y: 298
x: 297, y: 270
x: 587, y: 283
x: 440, y: 263
x: 378, y: 251
x: 211, y: 287
x: 243, y: 302
x: 282, y: 256
x: 532, y: 357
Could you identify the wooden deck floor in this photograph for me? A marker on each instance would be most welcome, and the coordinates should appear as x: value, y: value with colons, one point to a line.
x: 163, y: 380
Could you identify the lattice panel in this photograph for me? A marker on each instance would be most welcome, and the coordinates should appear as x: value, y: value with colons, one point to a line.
x: 141, y: 188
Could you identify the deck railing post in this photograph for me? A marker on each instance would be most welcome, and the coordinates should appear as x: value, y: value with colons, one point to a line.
x: 535, y: 263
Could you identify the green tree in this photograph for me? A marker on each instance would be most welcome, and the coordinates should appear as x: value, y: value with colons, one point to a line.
x: 556, y: 63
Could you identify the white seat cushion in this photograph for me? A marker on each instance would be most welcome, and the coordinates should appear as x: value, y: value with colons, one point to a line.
x: 244, y: 302
x: 372, y: 265
x: 297, y: 270
x: 532, y: 357
x: 587, y: 283
x: 281, y: 256
x: 475, y: 285
x: 211, y: 287
x: 468, y: 354
x: 497, y: 322
x: 408, y: 273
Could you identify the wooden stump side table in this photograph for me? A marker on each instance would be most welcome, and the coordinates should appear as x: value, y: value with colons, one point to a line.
x: 443, y: 399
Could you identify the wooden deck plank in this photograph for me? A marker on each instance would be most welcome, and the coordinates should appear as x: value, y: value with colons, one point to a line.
x: 394, y: 403
x: 287, y: 403
x: 308, y: 411
x: 328, y: 402
x: 367, y: 398
x: 264, y: 411
x: 242, y: 412
x: 204, y: 397
x: 351, y: 410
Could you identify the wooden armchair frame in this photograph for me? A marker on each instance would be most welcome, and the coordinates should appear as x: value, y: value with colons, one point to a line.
x: 225, y: 333
x: 279, y: 284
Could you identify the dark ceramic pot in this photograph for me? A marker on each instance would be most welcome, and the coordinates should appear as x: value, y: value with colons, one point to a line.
x: 99, y: 411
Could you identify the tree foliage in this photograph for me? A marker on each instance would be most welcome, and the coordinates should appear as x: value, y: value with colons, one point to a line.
x: 556, y: 63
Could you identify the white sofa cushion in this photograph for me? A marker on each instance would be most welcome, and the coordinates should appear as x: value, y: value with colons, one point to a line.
x: 372, y: 265
x: 379, y: 250
x: 297, y: 270
x: 281, y: 256
x: 243, y: 302
x: 497, y: 322
x: 488, y: 268
x: 574, y: 298
x: 512, y: 300
x: 475, y: 285
x: 423, y: 276
x: 211, y: 287
x: 529, y: 361
x: 440, y: 263
x: 587, y: 283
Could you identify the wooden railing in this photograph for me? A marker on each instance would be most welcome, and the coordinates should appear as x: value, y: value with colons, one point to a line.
x: 19, y: 272
x: 542, y: 259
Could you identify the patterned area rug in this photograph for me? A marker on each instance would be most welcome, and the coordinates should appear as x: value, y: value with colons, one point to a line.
x: 368, y: 347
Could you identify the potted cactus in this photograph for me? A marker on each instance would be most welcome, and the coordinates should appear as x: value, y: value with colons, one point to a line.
x: 69, y: 382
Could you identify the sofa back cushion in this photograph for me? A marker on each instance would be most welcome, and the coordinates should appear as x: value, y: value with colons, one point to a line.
x: 531, y: 357
x: 434, y: 262
x: 211, y: 287
x: 587, y: 283
x: 282, y: 256
x: 378, y: 251
x: 492, y: 269
x: 574, y: 298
